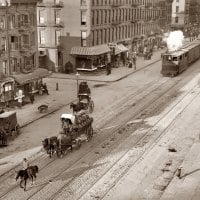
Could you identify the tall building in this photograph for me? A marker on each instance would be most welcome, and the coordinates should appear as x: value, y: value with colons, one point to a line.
x: 186, y: 16
x: 90, y: 27
x: 50, y: 28
x: 19, y: 48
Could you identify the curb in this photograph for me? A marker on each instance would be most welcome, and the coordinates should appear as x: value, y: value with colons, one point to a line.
x: 112, y: 81
x: 46, y: 114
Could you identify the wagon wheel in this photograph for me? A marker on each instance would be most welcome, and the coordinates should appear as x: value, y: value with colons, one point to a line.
x: 91, y: 106
x: 90, y: 133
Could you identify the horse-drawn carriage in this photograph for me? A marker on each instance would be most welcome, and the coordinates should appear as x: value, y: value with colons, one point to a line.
x: 75, y: 130
x: 8, y: 126
x: 84, y: 99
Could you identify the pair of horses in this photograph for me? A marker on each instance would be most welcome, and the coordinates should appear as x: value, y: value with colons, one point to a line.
x: 24, y: 175
x: 57, y: 145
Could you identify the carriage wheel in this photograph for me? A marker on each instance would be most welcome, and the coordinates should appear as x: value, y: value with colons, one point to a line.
x: 91, y: 106
x: 90, y: 133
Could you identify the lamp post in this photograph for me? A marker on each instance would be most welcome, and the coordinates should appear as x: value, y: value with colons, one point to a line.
x: 77, y: 75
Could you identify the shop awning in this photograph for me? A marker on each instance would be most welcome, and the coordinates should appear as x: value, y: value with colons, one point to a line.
x: 90, y: 51
x: 33, y: 76
x: 120, y: 48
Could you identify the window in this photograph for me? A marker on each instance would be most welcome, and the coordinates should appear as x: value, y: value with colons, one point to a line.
x: 41, y: 16
x: 7, y: 87
x: 83, y: 17
x: 2, y: 22
x: 83, y: 2
x: 4, y: 65
x: 57, y: 16
x: 83, y: 38
x: 57, y: 34
x: 25, y: 41
x: 11, y: 21
x: 176, y: 19
x: 42, y: 37
x: 177, y: 9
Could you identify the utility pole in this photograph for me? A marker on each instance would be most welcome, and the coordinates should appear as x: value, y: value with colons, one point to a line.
x: 7, y: 38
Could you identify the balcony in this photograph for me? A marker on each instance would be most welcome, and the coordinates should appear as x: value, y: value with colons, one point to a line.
x: 56, y: 4
x: 135, y: 5
x: 116, y: 23
x: 116, y: 5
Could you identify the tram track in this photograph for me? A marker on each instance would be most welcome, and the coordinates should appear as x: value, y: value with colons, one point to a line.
x: 52, y: 161
x: 110, y: 136
x: 129, y: 154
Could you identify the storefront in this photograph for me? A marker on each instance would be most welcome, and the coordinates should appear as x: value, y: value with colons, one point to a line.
x: 91, y: 59
x: 31, y: 82
x: 121, y: 55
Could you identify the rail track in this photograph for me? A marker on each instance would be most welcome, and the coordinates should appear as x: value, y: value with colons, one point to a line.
x: 146, y: 102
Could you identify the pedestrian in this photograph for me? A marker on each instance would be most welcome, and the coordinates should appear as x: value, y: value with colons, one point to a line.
x: 108, y: 69
x: 25, y: 164
x: 45, y: 88
x: 32, y: 98
x: 134, y: 60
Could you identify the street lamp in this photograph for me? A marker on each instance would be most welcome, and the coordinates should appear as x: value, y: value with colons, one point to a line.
x: 77, y: 75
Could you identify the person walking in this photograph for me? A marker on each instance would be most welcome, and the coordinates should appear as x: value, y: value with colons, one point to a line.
x: 134, y: 58
x: 45, y: 88
x: 25, y: 164
x: 32, y: 98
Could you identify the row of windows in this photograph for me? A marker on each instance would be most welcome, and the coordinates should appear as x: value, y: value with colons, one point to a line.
x: 18, y: 42
x: 56, y: 17
x: 15, y: 21
x: 18, y: 64
x: 101, y: 36
x: 122, y: 15
x: 120, y: 2
x: 43, y: 39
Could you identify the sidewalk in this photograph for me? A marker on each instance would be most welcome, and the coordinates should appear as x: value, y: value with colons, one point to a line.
x: 117, y: 73
x: 57, y: 99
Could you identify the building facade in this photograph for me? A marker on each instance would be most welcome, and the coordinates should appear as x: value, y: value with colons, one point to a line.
x: 50, y: 28
x: 19, y: 48
x: 93, y: 24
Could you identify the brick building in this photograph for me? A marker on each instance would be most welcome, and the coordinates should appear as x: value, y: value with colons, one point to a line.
x: 90, y: 26
x: 19, y: 49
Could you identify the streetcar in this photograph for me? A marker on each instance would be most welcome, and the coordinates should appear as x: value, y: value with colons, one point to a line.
x: 173, y: 63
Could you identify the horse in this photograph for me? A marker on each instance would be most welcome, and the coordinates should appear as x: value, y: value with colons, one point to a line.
x: 24, y: 175
x: 50, y: 145
x: 76, y: 107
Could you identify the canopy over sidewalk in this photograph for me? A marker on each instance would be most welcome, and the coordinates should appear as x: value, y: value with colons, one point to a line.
x: 90, y: 51
x: 35, y: 75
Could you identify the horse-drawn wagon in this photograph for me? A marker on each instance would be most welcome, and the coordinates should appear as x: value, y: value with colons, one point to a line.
x: 75, y: 129
x: 8, y: 126
x: 84, y: 99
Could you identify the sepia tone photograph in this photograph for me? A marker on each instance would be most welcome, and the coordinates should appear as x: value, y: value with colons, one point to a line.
x: 99, y: 99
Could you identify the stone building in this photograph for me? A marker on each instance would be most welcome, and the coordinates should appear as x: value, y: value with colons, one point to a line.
x: 19, y: 48
x: 89, y: 27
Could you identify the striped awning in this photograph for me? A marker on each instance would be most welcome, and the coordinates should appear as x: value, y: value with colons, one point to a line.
x: 90, y: 51
x: 120, y: 48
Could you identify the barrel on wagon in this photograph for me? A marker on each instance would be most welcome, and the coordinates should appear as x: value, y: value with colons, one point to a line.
x: 76, y: 128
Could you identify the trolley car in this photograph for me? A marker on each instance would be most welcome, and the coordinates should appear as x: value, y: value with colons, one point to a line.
x: 173, y: 63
